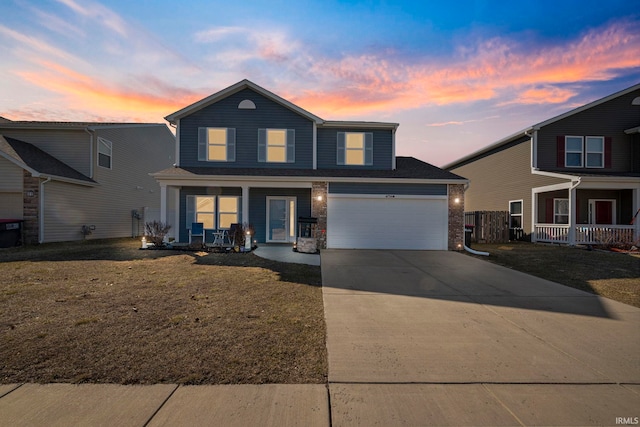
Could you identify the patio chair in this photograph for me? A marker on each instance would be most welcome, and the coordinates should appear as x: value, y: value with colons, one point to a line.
x: 197, y: 230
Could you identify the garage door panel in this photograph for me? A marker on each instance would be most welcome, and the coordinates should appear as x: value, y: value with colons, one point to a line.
x: 386, y: 223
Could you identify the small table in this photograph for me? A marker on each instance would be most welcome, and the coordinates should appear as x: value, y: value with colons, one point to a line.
x: 218, y: 237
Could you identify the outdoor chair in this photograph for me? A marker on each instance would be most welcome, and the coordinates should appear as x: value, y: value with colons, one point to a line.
x: 197, y: 231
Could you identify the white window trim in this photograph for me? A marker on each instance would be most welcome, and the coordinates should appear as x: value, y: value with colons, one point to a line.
x: 566, y: 151
x: 109, y: 145
x: 521, y: 214
x: 555, y: 214
x: 192, y: 216
x: 347, y: 149
x: 586, y: 152
x: 210, y: 144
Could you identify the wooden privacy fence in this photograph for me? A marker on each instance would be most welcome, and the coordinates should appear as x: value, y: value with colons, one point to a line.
x: 489, y: 226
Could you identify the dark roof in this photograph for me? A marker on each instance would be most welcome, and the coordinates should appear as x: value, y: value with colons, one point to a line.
x: 27, y: 155
x: 406, y: 168
x: 6, y: 123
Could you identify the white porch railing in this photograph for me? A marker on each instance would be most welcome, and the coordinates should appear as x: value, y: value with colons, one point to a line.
x: 585, y: 234
x: 551, y: 233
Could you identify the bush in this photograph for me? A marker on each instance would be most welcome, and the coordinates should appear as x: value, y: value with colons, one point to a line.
x: 156, y: 231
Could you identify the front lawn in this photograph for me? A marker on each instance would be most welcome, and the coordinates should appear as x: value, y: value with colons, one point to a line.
x: 107, y: 312
x: 612, y: 275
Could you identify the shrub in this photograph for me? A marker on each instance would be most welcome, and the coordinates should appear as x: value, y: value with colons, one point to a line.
x: 156, y: 231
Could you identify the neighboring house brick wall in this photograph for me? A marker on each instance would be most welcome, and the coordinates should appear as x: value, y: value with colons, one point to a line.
x: 31, y: 209
x: 319, y: 210
x: 456, y: 217
x: 267, y: 115
x: 500, y: 177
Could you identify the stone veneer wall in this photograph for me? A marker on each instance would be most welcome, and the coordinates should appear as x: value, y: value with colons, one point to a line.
x: 456, y: 217
x: 319, y: 210
x: 30, y: 209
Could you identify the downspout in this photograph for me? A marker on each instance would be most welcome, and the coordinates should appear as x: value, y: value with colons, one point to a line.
x: 41, y: 213
x: 91, y: 133
x: 572, y: 212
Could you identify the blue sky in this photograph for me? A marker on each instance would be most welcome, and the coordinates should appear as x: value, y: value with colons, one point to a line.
x: 457, y: 76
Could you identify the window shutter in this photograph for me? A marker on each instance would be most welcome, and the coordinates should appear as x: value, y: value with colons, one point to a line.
x: 262, y: 145
x: 548, y: 211
x: 368, y: 149
x: 341, y: 148
x: 607, y: 151
x: 202, y: 144
x: 560, y: 149
x: 291, y: 145
x: 191, y: 211
x: 231, y: 145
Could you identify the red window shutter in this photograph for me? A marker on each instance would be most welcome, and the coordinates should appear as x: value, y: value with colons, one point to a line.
x: 548, y: 211
x: 560, y: 149
x: 607, y: 151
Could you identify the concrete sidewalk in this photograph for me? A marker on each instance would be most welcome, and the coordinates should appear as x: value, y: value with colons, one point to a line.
x: 163, y: 405
x: 440, y: 338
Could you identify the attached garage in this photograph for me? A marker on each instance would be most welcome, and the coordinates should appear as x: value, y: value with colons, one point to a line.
x: 388, y: 221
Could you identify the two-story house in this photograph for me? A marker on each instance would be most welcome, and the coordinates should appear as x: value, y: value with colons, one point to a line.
x: 246, y: 155
x: 72, y: 181
x: 573, y: 179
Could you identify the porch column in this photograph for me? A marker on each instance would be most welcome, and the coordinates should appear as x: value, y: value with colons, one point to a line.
x: 534, y: 215
x: 636, y: 207
x: 245, y: 204
x: 163, y: 203
x: 572, y: 216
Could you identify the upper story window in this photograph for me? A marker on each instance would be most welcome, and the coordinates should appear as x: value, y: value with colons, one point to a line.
x: 355, y: 148
x: 584, y: 152
x: 595, y: 152
x: 276, y: 145
x: 105, y: 153
x: 217, y: 144
x: 573, y: 151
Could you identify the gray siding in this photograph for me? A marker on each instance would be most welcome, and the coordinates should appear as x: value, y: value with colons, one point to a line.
x: 258, y: 206
x: 395, y: 189
x: 268, y: 114
x: 327, y: 148
x: 609, y: 119
x: 69, y: 146
x: 137, y: 151
x: 500, y: 177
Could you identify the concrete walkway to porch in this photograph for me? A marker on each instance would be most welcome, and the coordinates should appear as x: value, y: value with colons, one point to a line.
x: 283, y: 252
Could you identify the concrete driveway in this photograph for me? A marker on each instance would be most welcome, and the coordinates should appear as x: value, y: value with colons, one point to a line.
x: 440, y: 338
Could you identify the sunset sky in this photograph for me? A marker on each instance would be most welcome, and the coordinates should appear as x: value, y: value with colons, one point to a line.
x: 456, y: 75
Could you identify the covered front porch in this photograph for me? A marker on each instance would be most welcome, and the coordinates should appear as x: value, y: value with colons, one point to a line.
x: 587, y: 212
x: 269, y: 208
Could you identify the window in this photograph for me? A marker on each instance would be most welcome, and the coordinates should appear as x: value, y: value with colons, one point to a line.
x: 206, y: 209
x: 217, y: 144
x: 515, y: 214
x: 105, y: 153
x: 573, y: 151
x: 355, y: 148
x: 595, y: 152
x: 201, y: 209
x: 561, y: 211
x: 276, y: 145
x: 228, y: 211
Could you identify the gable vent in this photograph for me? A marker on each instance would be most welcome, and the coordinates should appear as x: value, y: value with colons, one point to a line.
x: 246, y: 104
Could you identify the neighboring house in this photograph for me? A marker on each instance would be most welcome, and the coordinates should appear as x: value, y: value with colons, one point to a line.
x: 574, y: 178
x: 70, y: 181
x: 245, y: 155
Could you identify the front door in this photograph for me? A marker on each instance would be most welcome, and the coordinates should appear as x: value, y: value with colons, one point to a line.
x: 281, y: 219
x: 602, y: 211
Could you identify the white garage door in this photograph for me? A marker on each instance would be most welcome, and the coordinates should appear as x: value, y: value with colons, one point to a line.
x: 365, y: 222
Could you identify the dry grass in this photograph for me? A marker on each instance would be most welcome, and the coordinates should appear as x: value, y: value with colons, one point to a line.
x: 106, y: 312
x: 612, y: 275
